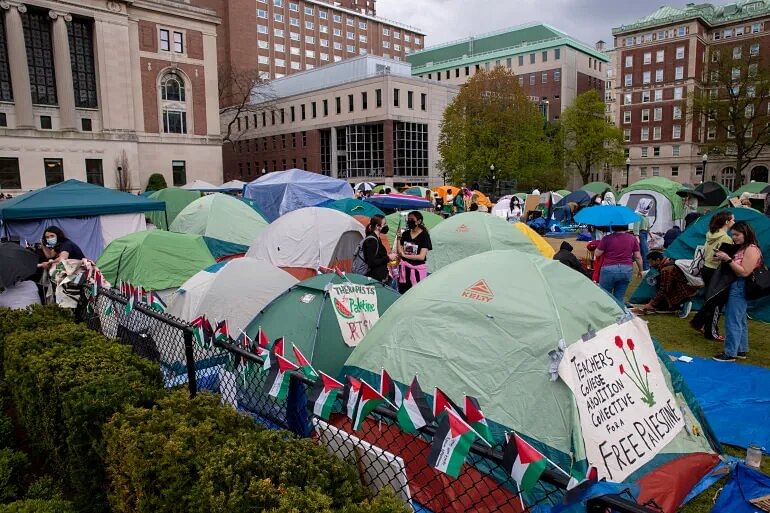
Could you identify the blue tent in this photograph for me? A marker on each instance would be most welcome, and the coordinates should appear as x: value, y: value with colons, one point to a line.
x: 353, y: 207
x: 281, y: 192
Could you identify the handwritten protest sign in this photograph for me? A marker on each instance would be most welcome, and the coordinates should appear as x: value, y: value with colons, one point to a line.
x: 627, y: 412
x: 356, y: 309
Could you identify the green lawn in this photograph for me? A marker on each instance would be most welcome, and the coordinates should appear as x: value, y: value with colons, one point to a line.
x: 676, y: 335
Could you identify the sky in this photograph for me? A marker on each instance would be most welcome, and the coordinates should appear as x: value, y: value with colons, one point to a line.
x: 585, y: 20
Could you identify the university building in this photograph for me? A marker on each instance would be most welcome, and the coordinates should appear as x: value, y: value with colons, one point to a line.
x: 361, y: 119
x: 107, y: 92
x: 660, y: 60
x: 552, y: 67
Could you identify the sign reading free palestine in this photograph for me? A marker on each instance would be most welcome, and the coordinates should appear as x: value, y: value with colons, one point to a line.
x: 356, y: 309
x: 627, y: 412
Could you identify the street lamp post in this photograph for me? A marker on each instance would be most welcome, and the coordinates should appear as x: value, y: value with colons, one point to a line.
x: 628, y: 169
x: 705, y: 159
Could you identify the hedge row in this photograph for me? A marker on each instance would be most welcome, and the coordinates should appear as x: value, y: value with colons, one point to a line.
x: 31, y: 318
x: 196, y: 455
x: 66, y: 382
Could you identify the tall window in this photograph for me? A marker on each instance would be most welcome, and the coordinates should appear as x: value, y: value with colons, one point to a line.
x: 94, y: 171
x: 410, y: 149
x: 80, y: 32
x: 54, y: 171
x: 179, y: 172
x: 37, y: 38
x: 172, y: 93
x: 6, y: 93
x: 10, y: 177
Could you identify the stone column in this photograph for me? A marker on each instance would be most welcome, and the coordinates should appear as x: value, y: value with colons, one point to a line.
x: 333, y: 154
x: 17, y: 59
x: 65, y: 90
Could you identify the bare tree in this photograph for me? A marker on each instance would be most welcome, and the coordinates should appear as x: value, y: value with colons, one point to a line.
x: 122, y: 173
x: 733, y: 104
x: 241, y: 92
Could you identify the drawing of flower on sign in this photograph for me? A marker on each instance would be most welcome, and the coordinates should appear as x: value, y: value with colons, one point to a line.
x: 638, y: 376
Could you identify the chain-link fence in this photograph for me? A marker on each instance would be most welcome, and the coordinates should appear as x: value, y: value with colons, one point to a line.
x: 384, y: 454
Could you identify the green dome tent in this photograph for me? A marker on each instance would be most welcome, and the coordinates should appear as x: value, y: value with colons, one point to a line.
x: 563, y: 192
x: 222, y: 217
x: 397, y: 220
x: 484, y: 326
x: 596, y: 187
x: 751, y: 188
x: 305, y: 315
x: 176, y: 200
x: 472, y: 233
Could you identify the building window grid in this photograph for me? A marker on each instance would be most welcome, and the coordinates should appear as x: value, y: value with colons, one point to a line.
x: 410, y: 149
x: 365, y: 150
x: 37, y: 39
x: 6, y: 92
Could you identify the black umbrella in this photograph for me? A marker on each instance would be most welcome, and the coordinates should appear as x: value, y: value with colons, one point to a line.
x: 16, y: 264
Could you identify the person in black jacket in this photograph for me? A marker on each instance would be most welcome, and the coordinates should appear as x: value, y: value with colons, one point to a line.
x: 374, y: 253
x: 566, y: 257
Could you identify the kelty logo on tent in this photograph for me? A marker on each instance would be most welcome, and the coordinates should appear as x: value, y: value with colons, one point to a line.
x: 462, y: 229
x: 479, y: 291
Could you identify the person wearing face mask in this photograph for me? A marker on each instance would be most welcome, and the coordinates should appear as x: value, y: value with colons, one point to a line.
x: 375, y: 254
x: 57, y: 247
x: 413, y: 247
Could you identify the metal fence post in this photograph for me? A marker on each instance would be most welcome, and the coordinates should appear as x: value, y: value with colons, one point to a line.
x: 190, y: 358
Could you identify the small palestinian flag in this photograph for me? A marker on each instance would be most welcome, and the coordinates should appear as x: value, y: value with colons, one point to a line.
x: 323, y: 394
x: 304, y: 365
x: 352, y: 391
x: 275, y: 349
x: 414, y: 412
x: 441, y: 402
x: 578, y: 477
x: 368, y: 400
x: 199, y: 326
x: 277, y: 346
x: 389, y: 389
x: 123, y: 288
x: 222, y: 332
x: 131, y: 298
x: 244, y: 342
x: 156, y: 302
x: 451, y: 443
x: 523, y: 462
x: 109, y: 309
x: 277, y: 382
x: 262, y: 340
x: 477, y: 420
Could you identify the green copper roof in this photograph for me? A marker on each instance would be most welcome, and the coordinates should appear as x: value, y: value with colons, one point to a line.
x: 709, y: 14
x: 504, y: 43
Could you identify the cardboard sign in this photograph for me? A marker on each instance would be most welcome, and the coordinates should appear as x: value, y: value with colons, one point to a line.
x: 356, y: 309
x: 627, y: 412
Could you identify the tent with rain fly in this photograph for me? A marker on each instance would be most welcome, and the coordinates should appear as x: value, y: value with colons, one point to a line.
x: 235, y: 291
x: 418, y: 191
x: 306, y: 315
x: 395, y: 201
x: 714, y: 194
x: 383, y: 189
x: 90, y: 215
x: 176, y: 200
x: 304, y: 240
x: 472, y: 233
x: 444, y: 191
x: 483, y: 199
x: 456, y: 331
x: 233, y: 186
x: 666, y: 207
x: 281, y: 192
x: 202, y: 186
x: 159, y: 260
x: 397, y: 221
x: 695, y: 235
x: 353, y: 207
x: 582, y: 198
x: 222, y: 217
x: 596, y: 188
x: 751, y: 188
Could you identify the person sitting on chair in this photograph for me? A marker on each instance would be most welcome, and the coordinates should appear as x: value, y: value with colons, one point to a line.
x: 674, y: 292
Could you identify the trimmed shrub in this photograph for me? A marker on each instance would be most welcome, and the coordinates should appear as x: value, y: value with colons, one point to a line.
x: 13, y: 468
x: 29, y: 319
x: 38, y: 506
x: 156, y: 182
x: 45, y: 488
x: 66, y: 383
x: 197, y: 455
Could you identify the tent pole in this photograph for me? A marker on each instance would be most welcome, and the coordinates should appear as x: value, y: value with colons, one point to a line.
x: 165, y: 214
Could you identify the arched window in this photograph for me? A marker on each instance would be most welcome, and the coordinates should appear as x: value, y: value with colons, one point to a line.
x: 728, y: 177
x: 173, y: 103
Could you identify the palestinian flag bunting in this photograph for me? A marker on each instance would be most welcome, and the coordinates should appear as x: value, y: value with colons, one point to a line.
x: 304, y: 365
x: 323, y: 394
x: 451, y: 443
x: 414, y: 412
x: 222, y: 332
x: 477, y: 420
x: 389, y: 390
x: 523, y: 462
x: 368, y: 400
x: 352, y: 391
x: 277, y: 382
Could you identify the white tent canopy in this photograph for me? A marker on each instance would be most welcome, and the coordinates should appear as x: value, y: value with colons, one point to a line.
x: 200, y: 185
x: 233, y: 186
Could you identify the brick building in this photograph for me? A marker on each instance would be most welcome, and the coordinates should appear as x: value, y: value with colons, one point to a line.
x: 88, y: 87
x: 552, y: 67
x: 362, y: 119
x: 660, y: 60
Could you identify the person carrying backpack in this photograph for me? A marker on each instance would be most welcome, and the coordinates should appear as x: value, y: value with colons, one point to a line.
x: 371, y: 258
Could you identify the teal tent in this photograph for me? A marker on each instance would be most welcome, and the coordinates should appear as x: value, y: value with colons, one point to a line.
x: 353, y: 207
x: 684, y: 248
x: 751, y: 188
x: 176, y: 200
x: 596, y: 187
x: 73, y: 198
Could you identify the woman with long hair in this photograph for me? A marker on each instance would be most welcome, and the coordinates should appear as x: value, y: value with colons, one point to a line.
x: 413, y: 246
x: 57, y: 247
x: 375, y: 254
x: 746, y: 260
x: 707, y: 318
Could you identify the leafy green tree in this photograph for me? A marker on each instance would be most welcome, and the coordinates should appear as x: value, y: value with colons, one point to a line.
x: 492, y: 122
x: 156, y: 182
x: 589, y: 140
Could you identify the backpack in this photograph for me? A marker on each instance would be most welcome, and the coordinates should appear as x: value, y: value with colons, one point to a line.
x: 359, y: 263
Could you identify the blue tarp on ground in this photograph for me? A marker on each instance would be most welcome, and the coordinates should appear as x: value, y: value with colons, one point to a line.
x: 745, y: 484
x: 735, y: 398
x: 281, y: 192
